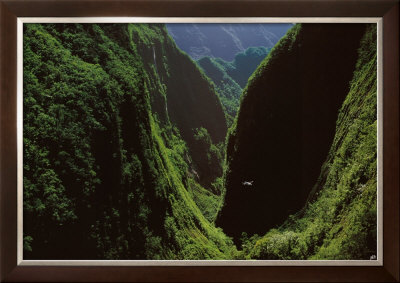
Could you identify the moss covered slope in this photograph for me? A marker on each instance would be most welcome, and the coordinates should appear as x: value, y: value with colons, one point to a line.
x: 109, y: 172
x: 339, y: 220
x: 286, y: 124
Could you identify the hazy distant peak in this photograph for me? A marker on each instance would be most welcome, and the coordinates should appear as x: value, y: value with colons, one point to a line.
x: 224, y: 40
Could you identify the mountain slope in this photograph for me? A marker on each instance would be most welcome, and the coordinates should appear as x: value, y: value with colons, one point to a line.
x: 231, y: 77
x: 286, y: 124
x: 244, y: 64
x: 339, y: 221
x: 189, y: 102
x: 108, y: 167
x: 228, y: 90
x: 224, y: 40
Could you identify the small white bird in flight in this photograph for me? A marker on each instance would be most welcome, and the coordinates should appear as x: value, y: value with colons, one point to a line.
x: 247, y: 183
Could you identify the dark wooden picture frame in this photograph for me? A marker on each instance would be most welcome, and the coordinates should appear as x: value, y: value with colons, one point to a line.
x: 10, y: 10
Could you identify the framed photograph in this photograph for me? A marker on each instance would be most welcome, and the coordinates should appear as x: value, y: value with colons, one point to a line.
x: 199, y: 141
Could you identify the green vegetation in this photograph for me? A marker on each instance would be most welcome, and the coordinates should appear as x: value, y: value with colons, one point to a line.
x: 127, y: 155
x: 231, y: 77
x: 108, y: 169
x: 339, y: 219
x: 285, y: 126
x: 244, y: 64
x: 228, y: 90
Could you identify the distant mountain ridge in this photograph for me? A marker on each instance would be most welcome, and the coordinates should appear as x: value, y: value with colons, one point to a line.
x: 231, y: 77
x: 224, y: 40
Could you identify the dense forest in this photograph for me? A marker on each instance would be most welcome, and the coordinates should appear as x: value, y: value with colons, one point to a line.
x: 114, y: 146
x: 127, y: 152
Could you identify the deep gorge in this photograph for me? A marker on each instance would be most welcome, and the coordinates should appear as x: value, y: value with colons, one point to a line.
x: 133, y: 150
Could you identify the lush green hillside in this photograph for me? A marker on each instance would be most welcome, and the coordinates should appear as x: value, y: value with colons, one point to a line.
x: 339, y: 221
x: 231, y: 77
x: 188, y: 101
x: 228, y: 90
x: 285, y: 125
x: 114, y: 146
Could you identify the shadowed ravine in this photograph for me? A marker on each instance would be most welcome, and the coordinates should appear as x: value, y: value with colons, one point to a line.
x: 133, y: 150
